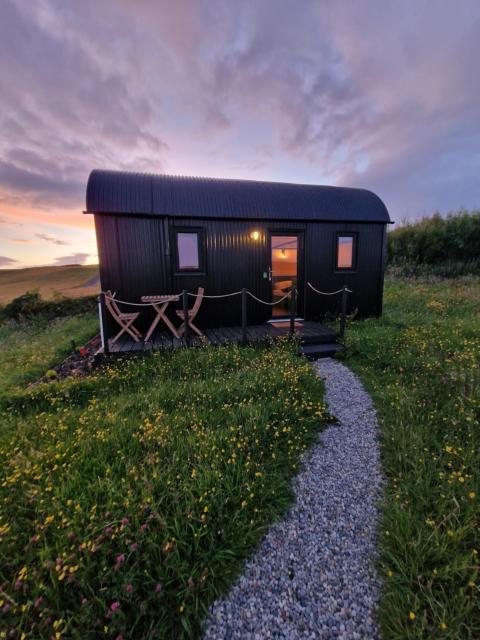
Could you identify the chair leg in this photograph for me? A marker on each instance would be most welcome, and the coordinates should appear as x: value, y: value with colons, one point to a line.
x: 181, y: 330
x: 122, y: 330
x: 196, y: 329
x: 136, y: 331
x: 129, y: 329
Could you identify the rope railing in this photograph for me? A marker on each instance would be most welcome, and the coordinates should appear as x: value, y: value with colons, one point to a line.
x: 328, y: 293
x: 343, y: 313
x: 223, y: 295
x: 195, y: 295
x: 270, y: 304
x: 229, y: 295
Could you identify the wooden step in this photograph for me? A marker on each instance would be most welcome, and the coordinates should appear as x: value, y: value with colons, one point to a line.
x: 320, y: 350
x: 319, y: 338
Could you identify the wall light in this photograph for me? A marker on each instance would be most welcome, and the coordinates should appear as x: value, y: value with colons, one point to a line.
x: 255, y: 235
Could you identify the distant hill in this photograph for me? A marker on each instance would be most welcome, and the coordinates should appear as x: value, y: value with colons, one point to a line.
x: 71, y: 280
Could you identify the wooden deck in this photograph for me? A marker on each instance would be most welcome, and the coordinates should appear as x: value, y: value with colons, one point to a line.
x: 307, y: 331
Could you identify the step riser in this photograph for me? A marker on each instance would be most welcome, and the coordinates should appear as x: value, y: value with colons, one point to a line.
x: 318, y: 350
x: 318, y: 356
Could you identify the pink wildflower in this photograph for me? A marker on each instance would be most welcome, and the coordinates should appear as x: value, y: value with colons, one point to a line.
x: 114, y: 606
x: 133, y: 546
x: 129, y: 588
x: 124, y: 521
x: 38, y: 602
x: 158, y: 587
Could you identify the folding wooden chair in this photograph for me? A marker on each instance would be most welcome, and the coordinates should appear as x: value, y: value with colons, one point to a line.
x: 191, y: 314
x: 125, y: 320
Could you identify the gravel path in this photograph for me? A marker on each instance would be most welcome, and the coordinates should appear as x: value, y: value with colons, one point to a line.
x: 313, y: 575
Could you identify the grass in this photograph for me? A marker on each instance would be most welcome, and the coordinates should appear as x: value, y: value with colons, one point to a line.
x: 128, y: 498
x: 29, y: 348
x: 72, y: 281
x: 421, y: 364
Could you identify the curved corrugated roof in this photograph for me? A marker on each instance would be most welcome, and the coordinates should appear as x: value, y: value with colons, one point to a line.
x: 128, y: 193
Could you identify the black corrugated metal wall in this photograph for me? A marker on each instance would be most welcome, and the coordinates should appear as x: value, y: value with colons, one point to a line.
x: 136, y: 259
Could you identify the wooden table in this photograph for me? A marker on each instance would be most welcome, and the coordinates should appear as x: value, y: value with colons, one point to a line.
x: 160, y: 304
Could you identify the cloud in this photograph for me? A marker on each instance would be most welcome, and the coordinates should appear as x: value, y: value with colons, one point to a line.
x: 5, y: 262
x: 73, y: 258
x: 51, y: 189
x: 52, y: 239
x: 380, y: 95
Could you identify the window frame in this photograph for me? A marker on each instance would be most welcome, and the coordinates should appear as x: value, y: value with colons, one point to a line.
x: 199, y: 231
x: 354, y: 236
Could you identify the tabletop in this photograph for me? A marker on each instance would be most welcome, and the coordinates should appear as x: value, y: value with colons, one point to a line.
x: 160, y: 298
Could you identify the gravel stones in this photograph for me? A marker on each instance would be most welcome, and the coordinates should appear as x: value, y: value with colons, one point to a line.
x: 313, y: 575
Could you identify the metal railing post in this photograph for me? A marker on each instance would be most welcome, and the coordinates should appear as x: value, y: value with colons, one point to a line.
x: 343, y: 316
x: 102, y: 316
x: 244, y: 316
x: 293, y: 310
x: 186, y: 333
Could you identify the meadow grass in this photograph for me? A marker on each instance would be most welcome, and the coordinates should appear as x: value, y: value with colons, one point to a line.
x: 29, y: 348
x: 129, y: 497
x: 421, y: 364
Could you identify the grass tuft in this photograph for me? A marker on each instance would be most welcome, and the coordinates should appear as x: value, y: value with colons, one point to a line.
x: 29, y: 348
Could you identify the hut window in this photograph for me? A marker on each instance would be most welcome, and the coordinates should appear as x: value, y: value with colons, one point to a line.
x: 188, y: 250
x: 346, y: 250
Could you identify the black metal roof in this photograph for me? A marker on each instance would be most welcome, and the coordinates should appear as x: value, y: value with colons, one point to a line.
x: 126, y: 193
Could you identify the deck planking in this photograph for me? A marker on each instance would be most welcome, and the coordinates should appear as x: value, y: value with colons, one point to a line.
x: 219, y: 336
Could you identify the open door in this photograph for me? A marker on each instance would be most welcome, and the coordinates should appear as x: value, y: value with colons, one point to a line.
x: 283, y: 270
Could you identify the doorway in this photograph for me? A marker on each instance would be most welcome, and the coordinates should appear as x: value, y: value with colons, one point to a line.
x: 283, y: 271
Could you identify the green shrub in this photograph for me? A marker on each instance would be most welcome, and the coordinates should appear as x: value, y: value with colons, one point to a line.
x: 451, y: 242
x: 31, y: 304
x: 28, y: 304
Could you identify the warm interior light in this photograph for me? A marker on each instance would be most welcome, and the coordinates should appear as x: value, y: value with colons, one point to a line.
x: 255, y: 235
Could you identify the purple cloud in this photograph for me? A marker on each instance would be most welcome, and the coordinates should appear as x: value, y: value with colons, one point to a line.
x: 6, y: 262
x: 52, y: 239
x: 73, y: 258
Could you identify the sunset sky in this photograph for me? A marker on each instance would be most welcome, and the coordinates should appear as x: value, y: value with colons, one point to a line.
x: 378, y: 94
